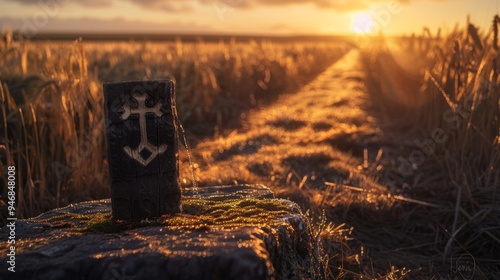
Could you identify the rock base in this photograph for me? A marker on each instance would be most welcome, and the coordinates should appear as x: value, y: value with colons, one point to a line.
x: 225, y: 232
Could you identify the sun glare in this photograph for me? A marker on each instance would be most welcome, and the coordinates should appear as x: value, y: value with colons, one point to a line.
x: 362, y: 23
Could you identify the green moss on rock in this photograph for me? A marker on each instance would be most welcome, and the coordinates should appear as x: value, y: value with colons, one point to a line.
x: 197, y: 214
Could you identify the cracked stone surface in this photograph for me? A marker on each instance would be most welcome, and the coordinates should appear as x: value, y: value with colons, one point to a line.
x: 224, y: 232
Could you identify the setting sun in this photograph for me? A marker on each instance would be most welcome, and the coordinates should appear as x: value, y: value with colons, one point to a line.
x: 362, y: 23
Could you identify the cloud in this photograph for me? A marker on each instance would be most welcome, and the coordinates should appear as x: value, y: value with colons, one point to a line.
x: 85, y: 3
x: 338, y: 5
x: 85, y: 25
x: 181, y: 6
x: 189, y: 5
x: 168, y: 6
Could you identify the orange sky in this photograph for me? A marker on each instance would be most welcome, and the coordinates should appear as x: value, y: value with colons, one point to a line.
x: 243, y: 16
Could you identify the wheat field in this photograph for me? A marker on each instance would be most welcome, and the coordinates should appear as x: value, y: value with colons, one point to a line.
x: 434, y: 169
x: 51, y: 100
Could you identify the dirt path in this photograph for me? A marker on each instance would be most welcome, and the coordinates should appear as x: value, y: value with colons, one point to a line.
x: 317, y: 147
x: 319, y: 132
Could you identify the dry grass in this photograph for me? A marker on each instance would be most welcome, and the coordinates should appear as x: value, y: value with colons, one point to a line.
x: 438, y: 102
x: 331, y: 149
x: 52, y: 122
x: 51, y: 101
x: 304, y: 147
x: 404, y: 177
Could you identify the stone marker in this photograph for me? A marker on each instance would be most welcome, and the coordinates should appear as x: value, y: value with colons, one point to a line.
x: 142, y: 149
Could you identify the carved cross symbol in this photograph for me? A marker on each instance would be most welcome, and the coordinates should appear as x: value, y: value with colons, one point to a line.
x: 142, y: 110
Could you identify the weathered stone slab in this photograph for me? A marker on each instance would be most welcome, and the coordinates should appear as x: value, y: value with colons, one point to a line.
x: 228, y: 232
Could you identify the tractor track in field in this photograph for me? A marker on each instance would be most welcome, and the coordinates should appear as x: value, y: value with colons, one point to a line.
x: 321, y: 147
